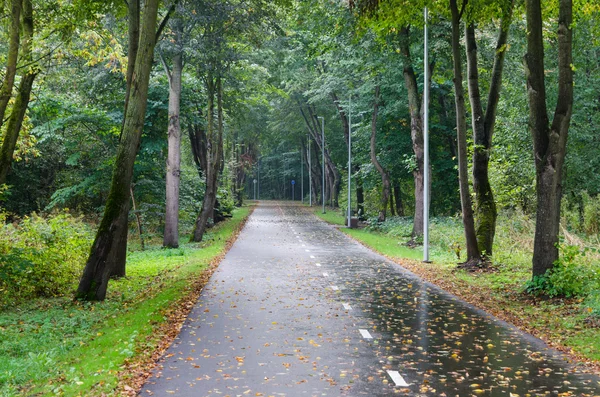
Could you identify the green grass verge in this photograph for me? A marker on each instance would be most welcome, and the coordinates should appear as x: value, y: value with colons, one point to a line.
x: 560, y: 322
x: 57, y: 347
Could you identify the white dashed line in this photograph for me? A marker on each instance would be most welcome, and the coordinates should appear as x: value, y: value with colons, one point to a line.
x: 397, y: 378
x: 347, y: 306
x: 365, y: 334
x: 335, y: 288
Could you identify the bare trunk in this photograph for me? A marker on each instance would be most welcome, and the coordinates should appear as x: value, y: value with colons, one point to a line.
x: 415, y: 103
x: 549, y: 141
x: 133, y: 24
x: 138, y: 218
x: 171, y: 236
x: 360, y: 197
x: 94, y: 281
x: 398, y: 200
x: 214, y: 153
x: 385, y: 178
x: 473, y: 253
x: 483, y: 129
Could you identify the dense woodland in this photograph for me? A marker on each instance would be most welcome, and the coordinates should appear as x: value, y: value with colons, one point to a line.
x: 128, y: 122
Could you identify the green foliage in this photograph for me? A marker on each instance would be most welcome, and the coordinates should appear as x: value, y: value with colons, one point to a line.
x: 593, y: 303
x: 568, y: 278
x: 582, y: 213
x: 41, y: 257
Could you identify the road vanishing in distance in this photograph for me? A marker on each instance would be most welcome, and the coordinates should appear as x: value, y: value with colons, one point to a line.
x: 297, y: 308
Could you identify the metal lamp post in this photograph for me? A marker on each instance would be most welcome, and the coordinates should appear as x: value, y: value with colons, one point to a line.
x: 301, y: 178
x: 323, y: 160
x: 309, y: 175
x: 426, y: 146
x: 255, y: 189
x: 349, y: 162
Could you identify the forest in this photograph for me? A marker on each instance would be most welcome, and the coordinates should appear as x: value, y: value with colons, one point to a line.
x: 136, y: 127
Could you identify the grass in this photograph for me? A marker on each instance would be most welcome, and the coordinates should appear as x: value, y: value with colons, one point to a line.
x: 58, y: 347
x: 560, y: 322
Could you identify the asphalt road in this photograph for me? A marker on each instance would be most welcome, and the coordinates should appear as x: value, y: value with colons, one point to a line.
x: 296, y: 308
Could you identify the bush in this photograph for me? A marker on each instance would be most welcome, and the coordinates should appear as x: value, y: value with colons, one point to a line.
x: 568, y: 278
x: 41, y: 257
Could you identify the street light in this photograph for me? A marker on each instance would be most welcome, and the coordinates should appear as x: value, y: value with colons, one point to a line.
x: 349, y: 161
x: 323, y: 160
x: 426, y: 146
x: 301, y: 177
x: 255, y: 189
x: 309, y: 175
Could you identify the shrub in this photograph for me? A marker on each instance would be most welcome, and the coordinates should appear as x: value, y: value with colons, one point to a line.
x: 568, y: 278
x: 41, y: 257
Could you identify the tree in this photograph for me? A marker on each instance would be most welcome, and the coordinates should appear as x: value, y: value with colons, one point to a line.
x: 94, y: 280
x: 549, y: 139
x: 483, y: 129
x: 473, y: 253
x: 171, y: 235
x: 385, y: 177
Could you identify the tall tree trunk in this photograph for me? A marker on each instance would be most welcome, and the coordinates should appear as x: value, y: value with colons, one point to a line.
x: 171, y: 236
x: 398, y: 200
x: 15, y: 120
x: 483, y: 130
x: 473, y: 254
x: 117, y: 257
x: 133, y: 25
x: 94, y: 281
x: 416, y: 107
x: 315, y: 175
x: 385, y: 177
x: 331, y: 172
x: 360, y: 197
x: 392, y: 207
x: 549, y: 141
x: 13, y: 54
x: 214, y: 153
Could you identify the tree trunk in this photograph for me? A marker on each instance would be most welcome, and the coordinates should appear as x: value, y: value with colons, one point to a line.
x: 483, y: 130
x: 392, y: 207
x: 315, y: 172
x: 214, y: 153
x: 360, y: 197
x: 385, y: 178
x: 94, y: 281
x: 13, y: 54
x: 138, y: 219
x: 398, y: 200
x: 331, y: 172
x: 473, y: 254
x: 171, y: 236
x: 133, y: 24
x: 15, y: 120
x: 416, y: 107
x: 117, y: 256
x: 549, y: 141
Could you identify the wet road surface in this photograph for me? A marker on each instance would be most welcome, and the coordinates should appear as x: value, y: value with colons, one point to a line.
x: 296, y: 308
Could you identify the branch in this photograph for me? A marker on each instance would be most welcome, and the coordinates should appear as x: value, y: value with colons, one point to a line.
x: 165, y: 20
x: 165, y: 66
